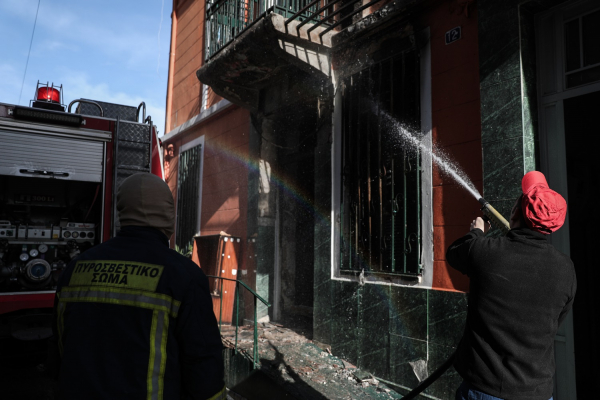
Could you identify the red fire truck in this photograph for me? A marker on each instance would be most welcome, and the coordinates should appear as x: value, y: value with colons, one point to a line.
x: 59, y: 173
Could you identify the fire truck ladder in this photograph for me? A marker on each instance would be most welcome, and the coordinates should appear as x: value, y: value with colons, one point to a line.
x: 132, y: 150
x: 132, y: 154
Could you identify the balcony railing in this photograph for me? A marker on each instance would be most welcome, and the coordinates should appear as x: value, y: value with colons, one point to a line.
x: 235, y: 322
x: 227, y: 19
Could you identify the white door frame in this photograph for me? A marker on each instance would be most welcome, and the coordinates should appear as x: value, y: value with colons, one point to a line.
x: 552, y: 92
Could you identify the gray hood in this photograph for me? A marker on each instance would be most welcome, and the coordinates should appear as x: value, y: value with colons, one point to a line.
x: 146, y: 200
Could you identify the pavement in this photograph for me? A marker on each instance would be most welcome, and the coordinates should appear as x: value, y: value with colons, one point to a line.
x: 293, y: 362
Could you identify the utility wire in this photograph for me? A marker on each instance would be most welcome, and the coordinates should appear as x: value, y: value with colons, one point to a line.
x: 30, y: 43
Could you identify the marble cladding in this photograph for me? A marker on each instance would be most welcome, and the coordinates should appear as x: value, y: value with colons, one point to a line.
x: 508, y: 97
x: 322, y: 310
x: 389, y: 331
x: 502, y: 169
x: 265, y: 243
x: 501, y: 116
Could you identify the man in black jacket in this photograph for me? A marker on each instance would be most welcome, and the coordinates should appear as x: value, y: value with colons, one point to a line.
x: 521, y: 289
x: 134, y: 319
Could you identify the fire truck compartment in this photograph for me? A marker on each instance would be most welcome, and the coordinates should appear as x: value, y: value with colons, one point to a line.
x: 44, y: 223
x: 50, y: 156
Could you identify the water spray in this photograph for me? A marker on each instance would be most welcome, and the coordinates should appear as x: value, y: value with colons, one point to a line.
x: 413, y: 141
x: 490, y: 214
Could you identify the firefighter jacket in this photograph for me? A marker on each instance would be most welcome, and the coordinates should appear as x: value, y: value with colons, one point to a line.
x: 134, y: 320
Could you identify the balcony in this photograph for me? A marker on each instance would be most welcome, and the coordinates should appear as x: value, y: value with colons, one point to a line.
x: 228, y: 19
x: 252, y: 44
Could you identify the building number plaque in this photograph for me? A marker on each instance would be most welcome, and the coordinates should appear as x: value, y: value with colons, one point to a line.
x: 453, y: 35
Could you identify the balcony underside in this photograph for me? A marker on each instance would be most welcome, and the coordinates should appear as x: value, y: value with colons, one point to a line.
x: 262, y: 55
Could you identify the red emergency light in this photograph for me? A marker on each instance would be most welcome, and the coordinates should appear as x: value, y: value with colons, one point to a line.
x: 48, y: 94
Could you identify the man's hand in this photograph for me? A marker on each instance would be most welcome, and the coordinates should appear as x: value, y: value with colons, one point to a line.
x: 480, y: 224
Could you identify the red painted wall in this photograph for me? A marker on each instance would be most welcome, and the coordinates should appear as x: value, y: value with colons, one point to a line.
x: 456, y: 129
x: 187, y: 51
x: 225, y: 174
x: 225, y: 177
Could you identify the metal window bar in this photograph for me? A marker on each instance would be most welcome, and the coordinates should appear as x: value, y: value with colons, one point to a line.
x: 188, y: 181
x: 328, y: 5
x: 381, y: 188
x: 237, y: 310
x: 341, y: 20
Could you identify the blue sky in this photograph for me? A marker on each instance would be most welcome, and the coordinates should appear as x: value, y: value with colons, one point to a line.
x: 114, y: 51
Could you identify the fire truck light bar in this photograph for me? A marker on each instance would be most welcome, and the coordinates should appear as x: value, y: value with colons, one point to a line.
x: 38, y: 115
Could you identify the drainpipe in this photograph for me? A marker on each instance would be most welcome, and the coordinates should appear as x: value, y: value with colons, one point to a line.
x: 171, y: 68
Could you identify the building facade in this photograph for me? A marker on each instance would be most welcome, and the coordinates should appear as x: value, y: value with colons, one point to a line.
x: 327, y: 135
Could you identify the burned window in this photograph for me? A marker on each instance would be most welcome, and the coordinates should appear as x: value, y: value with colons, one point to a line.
x: 188, y: 197
x: 381, y: 193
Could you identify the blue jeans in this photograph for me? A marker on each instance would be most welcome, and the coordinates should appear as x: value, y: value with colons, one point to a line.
x: 467, y: 392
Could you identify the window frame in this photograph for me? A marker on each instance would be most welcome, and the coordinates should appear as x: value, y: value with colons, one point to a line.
x: 198, y: 142
x: 578, y: 16
x: 425, y: 279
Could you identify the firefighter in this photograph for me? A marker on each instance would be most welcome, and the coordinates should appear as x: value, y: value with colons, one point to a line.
x: 521, y: 289
x: 133, y: 318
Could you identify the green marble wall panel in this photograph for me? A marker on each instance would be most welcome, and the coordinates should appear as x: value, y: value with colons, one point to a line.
x: 373, y: 344
x: 345, y: 303
x: 403, y: 351
x: 375, y: 360
x: 447, y: 313
x: 445, y: 386
x: 383, y: 329
x: 502, y: 169
x: 409, y: 313
x: 501, y: 116
x: 322, y: 310
x: 507, y: 133
x: 499, y: 63
x: 265, y: 264
x: 322, y: 313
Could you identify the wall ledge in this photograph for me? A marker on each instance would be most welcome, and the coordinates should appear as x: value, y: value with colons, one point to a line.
x: 203, y: 116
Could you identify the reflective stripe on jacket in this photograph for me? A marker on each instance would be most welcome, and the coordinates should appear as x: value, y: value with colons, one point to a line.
x: 134, y: 320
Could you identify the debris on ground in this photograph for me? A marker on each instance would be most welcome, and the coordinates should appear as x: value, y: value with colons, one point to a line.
x: 303, y: 368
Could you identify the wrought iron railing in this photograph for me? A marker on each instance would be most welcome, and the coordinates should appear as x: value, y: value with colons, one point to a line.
x: 237, y: 313
x: 227, y: 19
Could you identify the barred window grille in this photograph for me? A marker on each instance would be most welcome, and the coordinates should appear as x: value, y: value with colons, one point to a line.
x: 381, y: 177
x: 188, y: 192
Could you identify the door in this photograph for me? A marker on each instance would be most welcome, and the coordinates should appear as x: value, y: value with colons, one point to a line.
x: 568, y: 62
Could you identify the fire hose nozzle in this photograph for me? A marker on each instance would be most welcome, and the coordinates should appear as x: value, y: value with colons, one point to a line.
x: 491, y: 214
